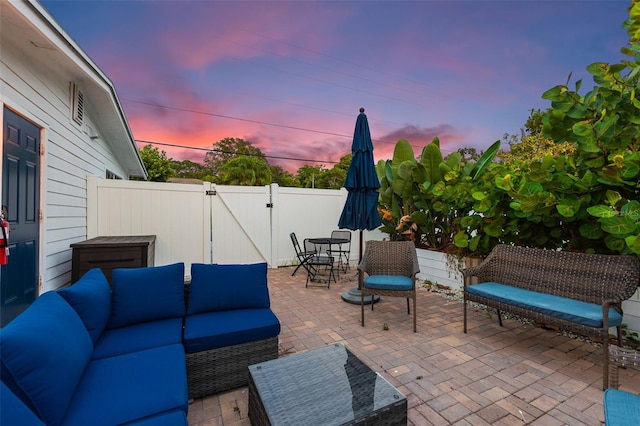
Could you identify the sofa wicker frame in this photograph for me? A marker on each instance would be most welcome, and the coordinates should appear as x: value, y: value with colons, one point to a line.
x: 222, y: 369
x: 605, y: 280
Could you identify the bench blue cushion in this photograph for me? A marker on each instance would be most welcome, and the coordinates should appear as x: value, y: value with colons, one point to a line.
x: 44, y: 353
x: 225, y: 287
x: 621, y: 408
x: 137, y: 337
x: 389, y: 282
x: 213, y: 330
x: 91, y: 299
x: 147, y: 294
x: 14, y: 412
x: 584, y: 313
x: 130, y: 387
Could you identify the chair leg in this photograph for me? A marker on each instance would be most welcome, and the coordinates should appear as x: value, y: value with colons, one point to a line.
x: 605, y: 366
x: 408, y: 309
x: 499, y: 317
x: 362, y: 307
x: 464, y: 313
x: 415, y: 329
x: 619, y: 330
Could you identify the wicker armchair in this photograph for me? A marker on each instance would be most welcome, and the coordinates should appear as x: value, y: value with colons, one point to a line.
x: 391, y: 268
x: 621, y: 357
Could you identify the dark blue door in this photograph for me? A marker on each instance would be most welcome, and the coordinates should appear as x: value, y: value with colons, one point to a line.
x: 20, y: 203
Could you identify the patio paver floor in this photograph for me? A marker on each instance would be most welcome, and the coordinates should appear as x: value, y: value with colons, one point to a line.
x: 512, y: 375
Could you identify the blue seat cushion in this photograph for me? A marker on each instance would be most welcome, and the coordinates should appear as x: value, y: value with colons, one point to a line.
x: 621, y: 408
x: 389, y: 282
x: 130, y: 387
x: 172, y: 418
x: 213, y: 330
x: 147, y: 294
x: 226, y: 287
x: 91, y: 299
x: 588, y: 314
x: 13, y: 411
x: 44, y: 353
x: 137, y: 337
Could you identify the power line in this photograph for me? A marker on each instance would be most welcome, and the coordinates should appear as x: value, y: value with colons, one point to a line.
x: 276, y: 157
x: 247, y: 120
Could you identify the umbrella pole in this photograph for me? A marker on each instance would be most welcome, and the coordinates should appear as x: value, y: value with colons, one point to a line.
x: 353, y: 295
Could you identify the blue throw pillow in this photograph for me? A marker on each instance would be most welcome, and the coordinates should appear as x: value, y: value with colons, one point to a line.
x: 45, y: 351
x: 91, y: 299
x: 223, y: 287
x: 147, y: 294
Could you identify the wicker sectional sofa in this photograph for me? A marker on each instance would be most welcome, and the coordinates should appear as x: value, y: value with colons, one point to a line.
x: 578, y: 292
x: 101, y: 355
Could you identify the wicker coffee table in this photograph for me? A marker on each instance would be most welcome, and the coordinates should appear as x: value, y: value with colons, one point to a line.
x: 326, y: 386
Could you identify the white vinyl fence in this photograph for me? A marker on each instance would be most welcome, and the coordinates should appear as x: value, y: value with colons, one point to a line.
x: 208, y: 223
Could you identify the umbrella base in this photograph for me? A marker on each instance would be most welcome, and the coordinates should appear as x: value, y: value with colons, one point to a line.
x: 353, y: 296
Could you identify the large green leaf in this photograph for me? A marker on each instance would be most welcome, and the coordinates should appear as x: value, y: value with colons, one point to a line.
x: 618, y: 225
x: 486, y: 159
x: 431, y: 159
x: 602, y: 211
x: 402, y: 152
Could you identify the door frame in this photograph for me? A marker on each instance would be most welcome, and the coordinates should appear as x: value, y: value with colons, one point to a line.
x: 41, y: 180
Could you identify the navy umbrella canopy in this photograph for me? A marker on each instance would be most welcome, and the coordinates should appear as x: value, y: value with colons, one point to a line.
x: 361, y: 208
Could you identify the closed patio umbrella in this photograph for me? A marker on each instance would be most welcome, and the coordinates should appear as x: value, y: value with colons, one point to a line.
x: 360, y: 211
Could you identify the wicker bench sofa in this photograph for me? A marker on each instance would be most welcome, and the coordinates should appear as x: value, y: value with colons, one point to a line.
x: 134, y: 352
x: 578, y: 292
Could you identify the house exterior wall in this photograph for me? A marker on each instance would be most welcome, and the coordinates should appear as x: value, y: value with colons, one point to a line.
x: 42, y: 95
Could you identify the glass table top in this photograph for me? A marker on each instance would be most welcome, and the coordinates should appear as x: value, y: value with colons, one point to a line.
x: 329, y: 385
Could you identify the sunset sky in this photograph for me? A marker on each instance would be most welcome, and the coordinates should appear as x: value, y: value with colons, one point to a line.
x: 289, y: 77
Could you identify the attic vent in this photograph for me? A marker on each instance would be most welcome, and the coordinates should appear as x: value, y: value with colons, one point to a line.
x: 77, y: 102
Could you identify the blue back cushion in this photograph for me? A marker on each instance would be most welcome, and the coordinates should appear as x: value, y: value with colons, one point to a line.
x: 44, y: 353
x: 147, y: 294
x: 224, y: 287
x: 91, y: 299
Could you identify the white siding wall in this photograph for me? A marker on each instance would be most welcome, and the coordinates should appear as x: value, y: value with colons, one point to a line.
x: 42, y: 96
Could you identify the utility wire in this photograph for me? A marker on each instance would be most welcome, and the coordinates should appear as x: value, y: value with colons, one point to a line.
x: 247, y: 120
x: 276, y: 157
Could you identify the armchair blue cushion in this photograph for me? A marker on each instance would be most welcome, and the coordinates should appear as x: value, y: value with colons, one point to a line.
x: 225, y: 287
x: 621, y: 408
x: 147, y: 294
x: 389, y: 282
x: 44, y: 353
x: 91, y: 299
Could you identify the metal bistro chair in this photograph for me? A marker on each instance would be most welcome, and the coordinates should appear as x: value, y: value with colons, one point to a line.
x: 303, y: 256
x: 320, y: 264
x: 343, y: 250
x: 391, y: 268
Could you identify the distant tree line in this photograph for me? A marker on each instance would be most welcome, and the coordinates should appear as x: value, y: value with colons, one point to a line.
x: 234, y: 161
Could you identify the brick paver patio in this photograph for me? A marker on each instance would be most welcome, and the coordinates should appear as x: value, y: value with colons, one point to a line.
x: 512, y: 375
